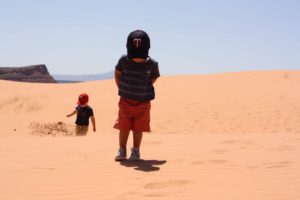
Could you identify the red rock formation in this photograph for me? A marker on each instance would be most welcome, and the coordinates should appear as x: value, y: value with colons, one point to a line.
x: 32, y: 73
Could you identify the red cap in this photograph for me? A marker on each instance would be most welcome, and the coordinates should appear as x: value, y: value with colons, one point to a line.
x: 83, y: 99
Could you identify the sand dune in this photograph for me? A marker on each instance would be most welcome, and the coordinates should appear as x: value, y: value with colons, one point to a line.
x: 226, y: 136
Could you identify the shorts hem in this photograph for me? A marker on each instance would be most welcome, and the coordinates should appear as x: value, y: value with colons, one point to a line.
x: 144, y: 130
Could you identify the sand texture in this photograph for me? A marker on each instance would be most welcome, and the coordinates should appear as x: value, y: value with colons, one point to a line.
x: 232, y: 136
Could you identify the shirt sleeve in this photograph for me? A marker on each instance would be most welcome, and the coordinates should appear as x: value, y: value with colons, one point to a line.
x: 119, y: 65
x: 91, y: 113
x: 155, y: 71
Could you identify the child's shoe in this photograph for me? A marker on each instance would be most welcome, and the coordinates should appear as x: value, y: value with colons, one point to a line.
x: 135, y: 154
x: 121, y: 155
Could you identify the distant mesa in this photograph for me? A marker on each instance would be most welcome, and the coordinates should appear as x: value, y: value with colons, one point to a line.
x: 32, y: 73
x: 64, y: 78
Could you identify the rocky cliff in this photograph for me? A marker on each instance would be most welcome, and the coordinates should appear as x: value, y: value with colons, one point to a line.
x: 32, y: 73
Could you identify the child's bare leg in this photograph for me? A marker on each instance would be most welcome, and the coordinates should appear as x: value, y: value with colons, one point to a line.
x: 135, y: 151
x: 137, y: 139
x: 123, y: 137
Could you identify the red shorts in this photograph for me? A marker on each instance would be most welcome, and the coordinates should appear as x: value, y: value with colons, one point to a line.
x: 133, y: 115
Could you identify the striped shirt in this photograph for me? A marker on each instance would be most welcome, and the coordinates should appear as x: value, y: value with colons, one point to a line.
x: 136, y: 78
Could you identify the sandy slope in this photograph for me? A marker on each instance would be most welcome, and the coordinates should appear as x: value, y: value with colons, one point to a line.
x: 226, y: 136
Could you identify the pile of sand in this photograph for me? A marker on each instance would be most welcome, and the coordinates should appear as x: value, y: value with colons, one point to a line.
x: 52, y: 129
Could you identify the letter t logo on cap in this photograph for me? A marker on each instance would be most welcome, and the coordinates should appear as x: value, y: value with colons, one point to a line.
x: 137, y: 42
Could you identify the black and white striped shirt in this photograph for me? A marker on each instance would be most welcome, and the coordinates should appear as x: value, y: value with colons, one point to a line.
x: 136, y: 78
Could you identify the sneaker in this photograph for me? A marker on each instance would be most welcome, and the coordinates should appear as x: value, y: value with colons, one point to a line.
x: 121, y: 155
x: 135, y: 154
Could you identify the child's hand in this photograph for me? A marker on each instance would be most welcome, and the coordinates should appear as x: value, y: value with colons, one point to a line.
x: 73, y: 113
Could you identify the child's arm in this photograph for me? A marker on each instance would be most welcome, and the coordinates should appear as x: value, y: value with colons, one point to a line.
x: 94, y: 123
x: 117, y: 77
x: 154, y: 80
x: 71, y: 114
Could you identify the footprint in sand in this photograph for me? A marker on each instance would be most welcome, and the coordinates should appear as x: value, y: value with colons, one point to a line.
x: 273, y: 165
x: 218, y: 161
x: 244, y: 142
x: 198, y: 162
x: 157, y: 194
x: 252, y: 166
x: 283, y: 148
x: 166, y: 184
x: 219, y: 151
x: 43, y: 168
x: 229, y: 141
x: 201, y: 162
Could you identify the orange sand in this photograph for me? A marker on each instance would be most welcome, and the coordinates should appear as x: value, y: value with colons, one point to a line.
x: 229, y: 136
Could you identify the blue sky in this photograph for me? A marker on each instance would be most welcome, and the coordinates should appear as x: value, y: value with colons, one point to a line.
x: 187, y: 37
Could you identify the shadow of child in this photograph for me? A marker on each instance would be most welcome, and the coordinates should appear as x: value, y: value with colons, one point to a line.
x: 144, y: 165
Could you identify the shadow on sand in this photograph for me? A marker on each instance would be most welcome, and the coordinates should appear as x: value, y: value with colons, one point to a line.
x: 144, y: 165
